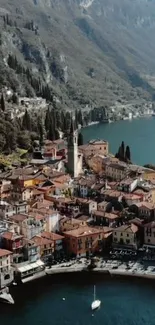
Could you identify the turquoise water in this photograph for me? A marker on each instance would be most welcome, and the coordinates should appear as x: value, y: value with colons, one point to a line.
x: 139, y: 134
x: 123, y: 303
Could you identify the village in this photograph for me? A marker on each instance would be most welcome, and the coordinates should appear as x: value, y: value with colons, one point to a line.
x: 73, y: 203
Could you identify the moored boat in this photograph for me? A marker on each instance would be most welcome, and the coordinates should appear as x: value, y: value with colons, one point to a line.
x: 96, y: 303
x: 6, y: 297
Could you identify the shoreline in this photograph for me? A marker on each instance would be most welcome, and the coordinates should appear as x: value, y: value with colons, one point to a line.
x: 42, y: 283
x: 121, y: 119
x: 82, y: 269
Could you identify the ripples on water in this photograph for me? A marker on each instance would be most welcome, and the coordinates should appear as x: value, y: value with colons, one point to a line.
x: 124, y: 302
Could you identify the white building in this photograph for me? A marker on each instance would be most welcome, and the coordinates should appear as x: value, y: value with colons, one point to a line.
x: 31, y: 227
x: 6, y: 271
x: 8, y: 210
x: 52, y: 222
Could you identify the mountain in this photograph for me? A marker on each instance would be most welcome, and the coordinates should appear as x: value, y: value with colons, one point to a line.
x: 85, y: 52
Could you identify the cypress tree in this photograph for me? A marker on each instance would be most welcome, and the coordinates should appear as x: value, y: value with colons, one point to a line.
x: 47, y: 120
x: 80, y: 118
x: 51, y: 134
x: 26, y: 121
x: 41, y: 132
x: 2, y: 103
x: 80, y: 139
x: 128, y: 154
x: 122, y: 151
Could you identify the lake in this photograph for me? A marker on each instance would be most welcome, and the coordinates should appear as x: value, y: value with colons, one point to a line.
x: 139, y: 134
x: 124, y: 302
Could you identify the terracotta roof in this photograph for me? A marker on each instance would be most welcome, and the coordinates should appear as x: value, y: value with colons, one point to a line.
x: 37, y: 191
x: 63, y: 179
x: 10, y: 235
x: 144, y: 204
x: 103, y: 204
x: 70, y: 221
x: 19, y: 217
x: 51, y: 235
x: 130, y: 196
x: 118, y: 166
x: 112, y: 193
x: 83, y: 217
x: 83, y: 231
x: 59, y: 185
x: 4, y: 252
x: 150, y: 225
x: 107, y: 215
x: 42, y: 204
x: 127, y: 181
x: 107, y: 234
x: 127, y: 228
x: 40, y: 241
x: 137, y: 221
x: 85, y: 201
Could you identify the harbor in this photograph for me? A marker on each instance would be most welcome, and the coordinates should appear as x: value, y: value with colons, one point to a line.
x: 72, y: 293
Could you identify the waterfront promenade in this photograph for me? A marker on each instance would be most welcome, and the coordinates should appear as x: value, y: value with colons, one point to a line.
x: 132, y: 268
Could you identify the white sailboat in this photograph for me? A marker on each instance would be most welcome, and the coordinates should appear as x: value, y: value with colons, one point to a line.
x: 96, y: 303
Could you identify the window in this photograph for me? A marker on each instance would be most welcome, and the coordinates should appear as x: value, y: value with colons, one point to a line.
x: 115, y: 239
x: 128, y: 241
x: 148, y: 240
x: 121, y: 234
x: 99, y: 236
x: 44, y: 246
x: 115, y: 233
x: 127, y: 235
x: 7, y: 276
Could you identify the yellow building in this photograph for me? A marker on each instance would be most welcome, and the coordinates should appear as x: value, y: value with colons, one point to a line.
x: 149, y: 175
x: 125, y: 236
x: 94, y: 147
x: 31, y: 180
x: 116, y: 171
x: 149, y: 234
x: 67, y: 224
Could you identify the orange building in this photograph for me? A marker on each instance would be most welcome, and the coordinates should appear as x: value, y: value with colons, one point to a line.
x: 94, y: 147
x: 46, y: 246
x: 83, y: 241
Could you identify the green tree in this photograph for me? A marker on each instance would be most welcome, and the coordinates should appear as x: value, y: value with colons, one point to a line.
x: 41, y: 132
x: 26, y: 121
x: 127, y: 154
x: 51, y: 132
x: 15, y: 99
x: 122, y: 150
x: 47, y: 120
x: 80, y: 139
x: 23, y: 140
x: 2, y: 103
x: 2, y: 142
x: 79, y: 117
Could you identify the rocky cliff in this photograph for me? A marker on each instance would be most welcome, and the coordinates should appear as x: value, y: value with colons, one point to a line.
x: 86, y: 52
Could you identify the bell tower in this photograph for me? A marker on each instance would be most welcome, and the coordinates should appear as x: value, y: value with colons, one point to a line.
x: 73, y: 150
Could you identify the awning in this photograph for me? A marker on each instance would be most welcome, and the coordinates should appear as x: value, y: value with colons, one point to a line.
x: 40, y: 263
x: 31, y: 266
x: 149, y: 246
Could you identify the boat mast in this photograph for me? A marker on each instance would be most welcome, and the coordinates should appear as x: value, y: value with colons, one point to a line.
x: 94, y: 293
